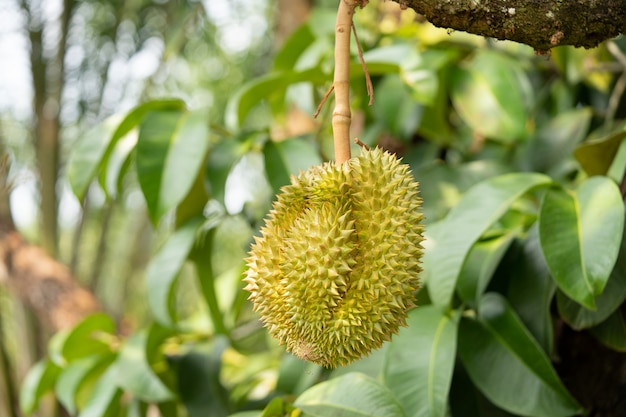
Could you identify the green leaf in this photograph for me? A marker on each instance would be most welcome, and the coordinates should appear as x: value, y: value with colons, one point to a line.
x: 480, y: 265
x: 104, y: 400
x: 531, y: 288
x: 92, y: 152
x: 86, y: 157
x: 222, y: 157
x: 163, y: 269
x: 296, y: 375
x: 170, y: 151
x: 396, y: 108
x: 492, y: 95
x: 581, y: 235
x: 612, y: 332
x: 286, y: 158
x: 89, y: 337
x: 199, y: 384
x: 350, y: 395
x: 578, y: 317
x: 293, y: 48
x: 77, y: 376
x: 39, y: 381
x: 265, y: 88
x: 420, y: 360
x: 508, y: 365
x: 479, y: 208
x: 555, y: 141
x: 596, y: 157
x: 134, y: 364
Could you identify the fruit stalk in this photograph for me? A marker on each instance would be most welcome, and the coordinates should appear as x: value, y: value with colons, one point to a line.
x: 341, y: 82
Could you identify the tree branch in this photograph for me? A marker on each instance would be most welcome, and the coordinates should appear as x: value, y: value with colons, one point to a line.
x: 542, y: 24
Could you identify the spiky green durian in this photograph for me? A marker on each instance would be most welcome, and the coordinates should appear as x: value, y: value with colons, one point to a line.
x: 336, y: 266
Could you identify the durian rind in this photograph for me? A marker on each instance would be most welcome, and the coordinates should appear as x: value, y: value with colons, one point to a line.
x: 335, y: 268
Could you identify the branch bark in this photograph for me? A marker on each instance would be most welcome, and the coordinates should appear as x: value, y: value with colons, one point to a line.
x: 542, y: 24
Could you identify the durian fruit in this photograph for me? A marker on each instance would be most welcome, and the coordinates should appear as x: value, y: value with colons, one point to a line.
x: 336, y: 266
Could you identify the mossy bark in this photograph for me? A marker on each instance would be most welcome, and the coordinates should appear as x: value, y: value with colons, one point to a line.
x: 542, y: 24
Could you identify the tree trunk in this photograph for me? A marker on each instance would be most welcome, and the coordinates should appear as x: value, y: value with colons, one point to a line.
x: 542, y: 24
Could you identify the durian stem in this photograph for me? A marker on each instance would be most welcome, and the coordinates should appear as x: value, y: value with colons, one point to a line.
x: 341, y: 82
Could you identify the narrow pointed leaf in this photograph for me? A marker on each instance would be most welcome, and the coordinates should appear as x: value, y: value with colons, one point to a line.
x: 420, y: 360
x: 508, y: 365
x: 163, y: 269
x: 350, y: 395
x: 580, y: 237
x: 479, y: 208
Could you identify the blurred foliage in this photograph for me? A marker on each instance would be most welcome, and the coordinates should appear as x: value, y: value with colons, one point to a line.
x: 519, y: 158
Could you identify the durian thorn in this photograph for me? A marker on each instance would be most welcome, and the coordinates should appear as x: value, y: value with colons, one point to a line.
x: 361, y: 144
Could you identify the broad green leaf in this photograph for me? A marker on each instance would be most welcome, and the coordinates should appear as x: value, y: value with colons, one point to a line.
x: 508, y: 365
x: 296, y: 375
x: 86, y: 157
x: 91, y: 336
x: 531, y: 288
x: 76, y: 377
x: 170, y: 151
x: 199, y: 384
x: 293, y: 47
x: 554, y: 142
x: 479, y: 208
x: 580, y: 237
x: 247, y: 414
x: 492, y: 94
x: 135, y: 373
x: 420, y: 360
x: 222, y: 157
x: 264, y: 88
x: 120, y: 159
x: 480, y: 265
x: 105, y: 397
x: 39, y: 381
x: 350, y: 395
x: 396, y: 109
x: 596, y: 156
x: 286, y: 158
x: 467, y: 401
x: 578, y: 317
x: 612, y: 332
x: 162, y: 271
x: 92, y: 152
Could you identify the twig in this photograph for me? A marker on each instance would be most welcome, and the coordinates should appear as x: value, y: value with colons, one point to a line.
x: 361, y: 144
x: 323, y: 100
x: 368, y: 80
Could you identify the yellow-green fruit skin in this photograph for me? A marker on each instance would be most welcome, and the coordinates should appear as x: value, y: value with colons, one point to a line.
x: 335, y: 269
